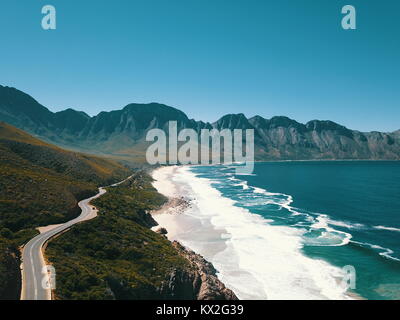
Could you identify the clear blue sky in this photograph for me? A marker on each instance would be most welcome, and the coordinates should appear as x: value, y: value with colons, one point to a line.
x: 210, y: 57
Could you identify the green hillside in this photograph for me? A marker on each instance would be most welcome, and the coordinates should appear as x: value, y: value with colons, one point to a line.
x: 117, y: 256
x: 40, y: 184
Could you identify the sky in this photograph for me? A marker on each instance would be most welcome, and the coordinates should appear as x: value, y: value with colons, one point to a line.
x: 209, y: 57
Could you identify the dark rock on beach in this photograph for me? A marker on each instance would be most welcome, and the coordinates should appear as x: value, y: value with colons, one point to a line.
x: 161, y: 230
x: 199, y: 282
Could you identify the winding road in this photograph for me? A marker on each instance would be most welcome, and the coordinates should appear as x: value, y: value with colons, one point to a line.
x: 36, y: 278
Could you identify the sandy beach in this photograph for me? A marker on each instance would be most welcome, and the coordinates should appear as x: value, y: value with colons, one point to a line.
x: 177, y: 219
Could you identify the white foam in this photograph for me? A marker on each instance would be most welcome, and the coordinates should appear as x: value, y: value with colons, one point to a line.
x: 387, y: 228
x: 322, y: 222
x: 386, y: 252
x: 330, y: 238
x: 346, y: 224
x: 281, y: 199
x: 242, y: 184
x: 255, y: 259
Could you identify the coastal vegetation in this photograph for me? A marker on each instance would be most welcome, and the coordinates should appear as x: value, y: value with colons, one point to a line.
x: 40, y: 184
x: 116, y: 255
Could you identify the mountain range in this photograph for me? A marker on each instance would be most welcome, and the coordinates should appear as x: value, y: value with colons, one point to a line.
x: 121, y: 133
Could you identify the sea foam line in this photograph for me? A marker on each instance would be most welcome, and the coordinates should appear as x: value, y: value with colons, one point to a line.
x: 386, y: 251
x: 387, y: 228
x: 321, y: 221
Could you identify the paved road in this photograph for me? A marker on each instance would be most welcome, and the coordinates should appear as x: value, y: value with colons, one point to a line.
x: 35, y: 276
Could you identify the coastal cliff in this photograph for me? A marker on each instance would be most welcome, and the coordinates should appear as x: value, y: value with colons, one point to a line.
x: 198, y: 282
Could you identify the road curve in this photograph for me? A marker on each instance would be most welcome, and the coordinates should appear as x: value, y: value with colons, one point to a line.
x: 35, y: 276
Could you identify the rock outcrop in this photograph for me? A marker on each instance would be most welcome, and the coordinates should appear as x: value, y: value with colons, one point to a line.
x: 198, y: 282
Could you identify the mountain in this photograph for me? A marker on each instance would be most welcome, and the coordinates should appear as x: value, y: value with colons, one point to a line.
x: 284, y: 138
x: 121, y: 133
x: 40, y: 184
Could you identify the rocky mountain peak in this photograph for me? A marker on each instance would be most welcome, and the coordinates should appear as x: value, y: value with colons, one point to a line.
x: 326, y: 125
x: 233, y: 121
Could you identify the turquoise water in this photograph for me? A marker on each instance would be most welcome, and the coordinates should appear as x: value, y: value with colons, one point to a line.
x: 348, y: 212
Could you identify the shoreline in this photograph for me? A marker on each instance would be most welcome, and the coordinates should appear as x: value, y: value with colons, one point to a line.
x: 165, y: 217
x: 205, y: 233
x: 168, y: 215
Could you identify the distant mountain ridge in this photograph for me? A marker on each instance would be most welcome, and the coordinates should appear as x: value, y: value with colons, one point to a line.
x: 122, y: 132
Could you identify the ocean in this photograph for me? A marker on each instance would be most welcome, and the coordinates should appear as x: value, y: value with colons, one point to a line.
x: 293, y: 230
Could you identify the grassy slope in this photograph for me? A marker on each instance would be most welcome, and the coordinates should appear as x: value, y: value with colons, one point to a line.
x: 40, y: 184
x: 115, y: 256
